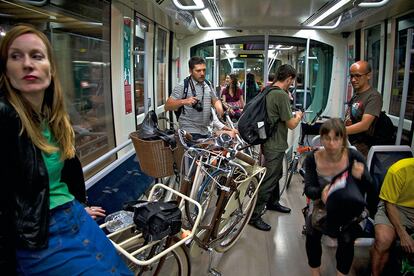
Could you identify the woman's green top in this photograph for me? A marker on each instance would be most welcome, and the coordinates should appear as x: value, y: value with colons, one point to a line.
x: 58, y: 191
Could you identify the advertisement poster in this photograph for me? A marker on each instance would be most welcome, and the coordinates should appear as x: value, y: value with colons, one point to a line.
x: 127, y: 65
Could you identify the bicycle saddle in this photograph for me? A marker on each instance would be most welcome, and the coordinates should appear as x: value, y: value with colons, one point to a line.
x: 149, y: 130
x: 149, y: 126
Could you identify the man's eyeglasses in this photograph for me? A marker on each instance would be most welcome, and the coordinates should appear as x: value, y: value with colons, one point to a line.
x: 357, y: 76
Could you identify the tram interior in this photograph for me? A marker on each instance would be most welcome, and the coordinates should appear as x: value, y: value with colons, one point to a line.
x: 118, y: 59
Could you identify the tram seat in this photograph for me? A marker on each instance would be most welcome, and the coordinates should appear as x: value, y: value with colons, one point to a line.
x: 379, y: 159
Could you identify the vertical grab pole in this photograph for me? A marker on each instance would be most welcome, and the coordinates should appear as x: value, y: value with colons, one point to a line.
x: 266, y: 58
x: 306, y: 81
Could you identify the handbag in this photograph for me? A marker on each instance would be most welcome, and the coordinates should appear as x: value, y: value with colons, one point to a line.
x: 318, y: 216
x: 345, y: 201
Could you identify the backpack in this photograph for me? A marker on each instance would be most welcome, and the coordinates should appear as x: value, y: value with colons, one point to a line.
x: 384, y: 132
x: 181, y: 108
x: 254, y: 125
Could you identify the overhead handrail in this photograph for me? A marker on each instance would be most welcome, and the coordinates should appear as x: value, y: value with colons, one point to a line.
x: 373, y: 4
x: 195, y: 7
x: 334, y: 26
x: 268, y: 26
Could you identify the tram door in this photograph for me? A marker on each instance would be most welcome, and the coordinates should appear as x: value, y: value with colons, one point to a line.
x: 402, y: 94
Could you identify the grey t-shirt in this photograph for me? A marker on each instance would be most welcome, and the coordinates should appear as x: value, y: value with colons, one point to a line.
x: 190, y: 119
x: 367, y: 102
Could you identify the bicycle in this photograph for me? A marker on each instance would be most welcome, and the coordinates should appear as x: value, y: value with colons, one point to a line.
x: 168, y: 256
x: 226, y: 182
x: 293, y: 160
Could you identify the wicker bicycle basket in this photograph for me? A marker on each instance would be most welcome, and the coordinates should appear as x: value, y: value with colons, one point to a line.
x: 155, y: 157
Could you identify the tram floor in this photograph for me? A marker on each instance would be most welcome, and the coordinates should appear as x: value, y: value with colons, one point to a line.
x: 279, y: 252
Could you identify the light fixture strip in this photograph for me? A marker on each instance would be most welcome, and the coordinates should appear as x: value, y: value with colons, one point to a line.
x: 207, y: 14
x: 328, y: 12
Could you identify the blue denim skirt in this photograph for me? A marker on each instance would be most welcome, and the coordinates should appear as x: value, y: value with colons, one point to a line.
x: 77, y: 246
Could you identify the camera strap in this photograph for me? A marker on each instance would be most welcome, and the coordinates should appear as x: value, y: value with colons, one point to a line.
x: 193, y: 91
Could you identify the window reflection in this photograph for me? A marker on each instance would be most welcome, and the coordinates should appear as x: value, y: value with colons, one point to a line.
x: 372, y: 52
x: 82, y: 48
x: 398, y: 77
x: 161, y: 66
x: 141, y: 29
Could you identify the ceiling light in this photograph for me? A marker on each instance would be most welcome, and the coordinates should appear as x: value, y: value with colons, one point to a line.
x: 206, y: 13
x: 328, y: 12
x: 199, y: 6
x: 280, y: 47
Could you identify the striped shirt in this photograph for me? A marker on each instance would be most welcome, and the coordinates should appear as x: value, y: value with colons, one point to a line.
x: 191, y: 120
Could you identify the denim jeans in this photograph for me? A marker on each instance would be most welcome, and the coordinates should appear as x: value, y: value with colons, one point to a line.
x: 76, y: 246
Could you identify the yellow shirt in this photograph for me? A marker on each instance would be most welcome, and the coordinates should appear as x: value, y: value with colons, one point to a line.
x: 398, y: 185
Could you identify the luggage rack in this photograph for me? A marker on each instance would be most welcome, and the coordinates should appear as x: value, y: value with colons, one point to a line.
x: 121, y: 246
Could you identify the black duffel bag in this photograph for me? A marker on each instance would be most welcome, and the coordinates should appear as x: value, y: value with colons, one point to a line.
x: 155, y: 219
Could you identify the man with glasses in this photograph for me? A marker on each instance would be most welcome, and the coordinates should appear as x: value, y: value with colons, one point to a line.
x: 364, y: 106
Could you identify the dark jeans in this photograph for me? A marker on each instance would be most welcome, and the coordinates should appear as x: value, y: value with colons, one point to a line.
x: 76, y: 246
x: 344, y: 252
x: 269, y: 189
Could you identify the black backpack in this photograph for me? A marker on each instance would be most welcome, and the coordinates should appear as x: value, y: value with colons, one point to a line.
x: 181, y: 108
x: 384, y: 132
x: 254, y: 125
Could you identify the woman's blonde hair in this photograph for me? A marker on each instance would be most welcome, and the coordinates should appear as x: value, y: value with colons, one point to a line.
x: 53, y: 109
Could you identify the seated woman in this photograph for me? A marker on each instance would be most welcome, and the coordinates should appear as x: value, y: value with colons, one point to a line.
x: 322, y: 166
x: 232, y: 97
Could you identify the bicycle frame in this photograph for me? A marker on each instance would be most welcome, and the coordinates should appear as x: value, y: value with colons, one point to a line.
x: 232, y: 188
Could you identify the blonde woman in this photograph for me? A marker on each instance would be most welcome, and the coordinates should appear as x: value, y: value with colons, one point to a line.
x: 46, y: 230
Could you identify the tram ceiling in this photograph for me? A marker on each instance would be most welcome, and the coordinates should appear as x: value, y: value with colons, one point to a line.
x: 332, y: 15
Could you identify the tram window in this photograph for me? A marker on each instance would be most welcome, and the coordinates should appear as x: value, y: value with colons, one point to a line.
x: 141, y: 29
x: 281, y: 50
x: 373, y: 52
x: 80, y: 40
x: 205, y: 51
x: 399, y: 74
x: 161, y: 66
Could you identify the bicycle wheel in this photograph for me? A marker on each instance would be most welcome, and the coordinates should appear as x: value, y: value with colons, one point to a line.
x: 207, y: 196
x: 291, y: 170
x: 283, y: 179
x: 163, y: 194
x: 175, y: 263
x: 236, y: 213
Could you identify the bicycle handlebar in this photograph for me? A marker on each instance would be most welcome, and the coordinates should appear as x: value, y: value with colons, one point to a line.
x: 234, y: 152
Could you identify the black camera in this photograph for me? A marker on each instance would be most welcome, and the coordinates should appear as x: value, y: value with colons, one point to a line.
x: 198, y: 106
